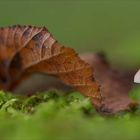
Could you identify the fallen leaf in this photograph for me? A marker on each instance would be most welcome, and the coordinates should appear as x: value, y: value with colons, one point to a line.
x: 25, y: 50
x: 115, y: 85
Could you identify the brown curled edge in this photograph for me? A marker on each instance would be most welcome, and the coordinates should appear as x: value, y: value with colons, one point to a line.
x: 25, y: 50
x: 115, y: 85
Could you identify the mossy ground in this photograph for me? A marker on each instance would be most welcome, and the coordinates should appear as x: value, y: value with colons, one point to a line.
x: 53, y: 115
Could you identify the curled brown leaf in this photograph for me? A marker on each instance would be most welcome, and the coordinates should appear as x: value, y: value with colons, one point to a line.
x: 115, y: 85
x: 25, y: 50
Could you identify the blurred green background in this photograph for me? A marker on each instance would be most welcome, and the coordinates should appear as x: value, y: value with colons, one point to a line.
x: 112, y: 26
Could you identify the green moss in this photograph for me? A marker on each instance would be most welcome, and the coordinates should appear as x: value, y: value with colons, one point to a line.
x: 57, y: 116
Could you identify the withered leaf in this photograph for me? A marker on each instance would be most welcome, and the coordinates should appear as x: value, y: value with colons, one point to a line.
x: 115, y: 85
x: 25, y: 50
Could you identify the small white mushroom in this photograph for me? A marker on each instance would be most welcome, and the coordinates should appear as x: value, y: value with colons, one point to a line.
x: 137, y: 77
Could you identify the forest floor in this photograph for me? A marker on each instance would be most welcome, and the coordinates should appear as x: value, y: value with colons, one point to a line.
x: 54, y: 115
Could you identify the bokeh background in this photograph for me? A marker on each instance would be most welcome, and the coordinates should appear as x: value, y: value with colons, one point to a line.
x: 110, y: 26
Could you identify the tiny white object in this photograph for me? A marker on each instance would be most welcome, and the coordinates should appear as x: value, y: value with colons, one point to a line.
x: 137, y: 77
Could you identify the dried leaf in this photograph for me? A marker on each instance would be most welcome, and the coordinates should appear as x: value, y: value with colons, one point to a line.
x: 115, y: 85
x: 25, y: 50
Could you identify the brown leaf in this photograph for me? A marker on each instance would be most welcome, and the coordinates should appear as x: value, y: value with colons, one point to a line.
x: 25, y: 50
x: 115, y: 85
